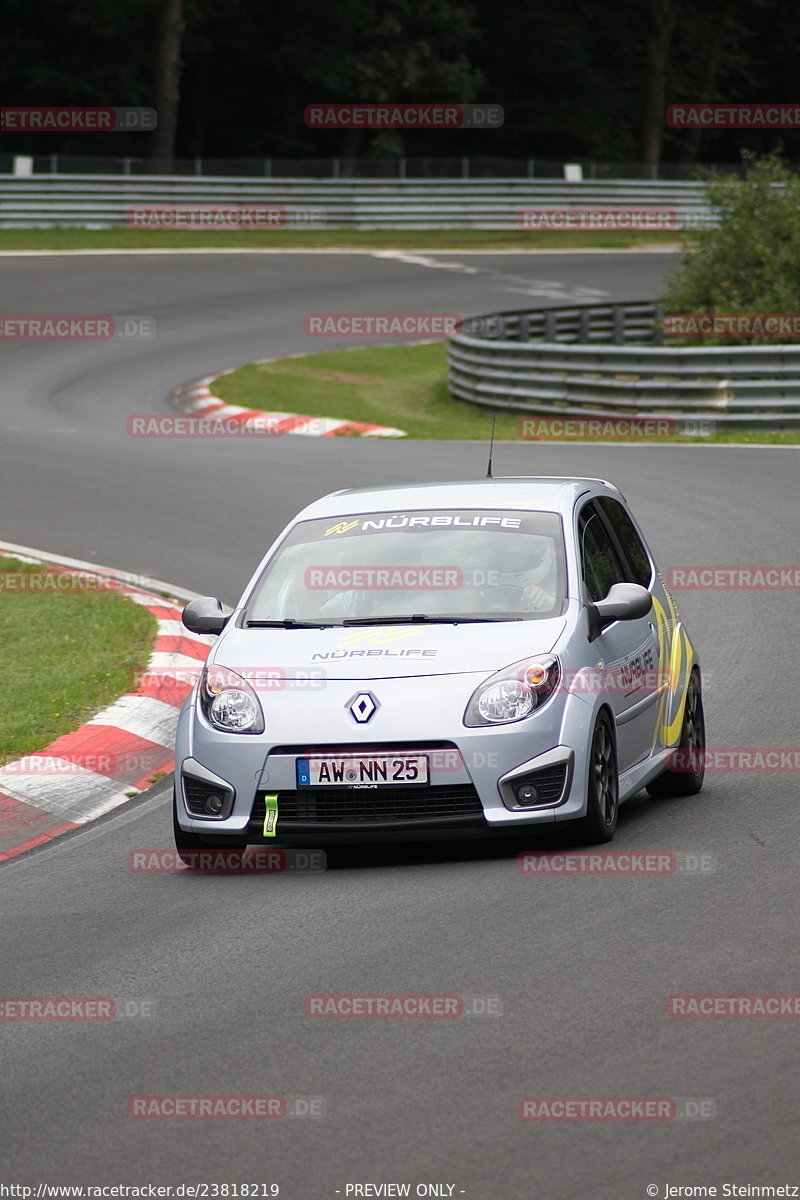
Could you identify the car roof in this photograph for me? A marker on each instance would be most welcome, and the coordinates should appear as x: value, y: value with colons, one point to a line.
x: 556, y: 493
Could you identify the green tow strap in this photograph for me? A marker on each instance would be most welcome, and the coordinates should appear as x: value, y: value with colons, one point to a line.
x: 271, y: 814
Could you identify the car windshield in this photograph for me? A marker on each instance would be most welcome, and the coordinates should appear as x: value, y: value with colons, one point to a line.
x: 436, y: 565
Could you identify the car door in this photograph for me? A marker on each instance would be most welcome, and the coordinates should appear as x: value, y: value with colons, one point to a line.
x: 639, y: 568
x: 626, y: 651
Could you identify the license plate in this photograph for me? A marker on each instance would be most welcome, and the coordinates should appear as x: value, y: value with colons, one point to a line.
x: 371, y: 770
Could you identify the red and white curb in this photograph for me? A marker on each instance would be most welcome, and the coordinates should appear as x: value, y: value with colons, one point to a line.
x: 97, y: 767
x: 197, y: 399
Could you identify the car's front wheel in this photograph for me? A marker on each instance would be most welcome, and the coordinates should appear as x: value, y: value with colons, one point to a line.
x: 602, y: 811
x: 684, y: 776
x: 190, y: 845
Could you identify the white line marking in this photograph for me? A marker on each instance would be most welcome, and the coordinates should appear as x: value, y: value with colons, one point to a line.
x: 668, y: 248
x: 163, y: 662
x: 78, y: 795
x: 143, y: 581
x: 142, y: 716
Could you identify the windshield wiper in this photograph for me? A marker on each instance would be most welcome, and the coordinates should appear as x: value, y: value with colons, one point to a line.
x: 288, y: 623
x: 424, y: 619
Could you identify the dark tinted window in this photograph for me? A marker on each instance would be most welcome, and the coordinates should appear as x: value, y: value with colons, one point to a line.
x: 601, y: 566
x: 620, y: 522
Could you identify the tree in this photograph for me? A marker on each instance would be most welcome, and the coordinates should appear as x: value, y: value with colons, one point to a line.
x: 751, y: 262
x: 393, y: 51
x: 662, y: 15
x: 168, y: 78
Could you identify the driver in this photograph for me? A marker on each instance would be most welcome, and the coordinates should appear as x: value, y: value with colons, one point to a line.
x: 353, y: 603
x: 527, y: 566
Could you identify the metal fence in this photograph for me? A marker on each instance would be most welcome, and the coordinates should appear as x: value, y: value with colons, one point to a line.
x: 94, y: 201
x: 605, y: 361
x: 396, y: 167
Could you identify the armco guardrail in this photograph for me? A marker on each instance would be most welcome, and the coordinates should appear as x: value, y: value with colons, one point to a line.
x: 95, y: 201
x: 605, y: 361
x: 388, y: 167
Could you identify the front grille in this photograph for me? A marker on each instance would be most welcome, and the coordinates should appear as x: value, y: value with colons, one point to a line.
x: 370, y: 806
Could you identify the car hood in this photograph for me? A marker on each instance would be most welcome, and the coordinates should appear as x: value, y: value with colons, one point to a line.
x: 385, y: 651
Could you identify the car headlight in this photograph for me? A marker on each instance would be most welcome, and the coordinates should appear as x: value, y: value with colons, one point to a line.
x: 514, y: 693
x: 229, y: 702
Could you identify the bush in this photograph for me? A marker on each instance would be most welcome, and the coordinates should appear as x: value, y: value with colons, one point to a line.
x: 751, y: 262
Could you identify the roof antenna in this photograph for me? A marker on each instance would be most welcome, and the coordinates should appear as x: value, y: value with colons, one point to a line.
x: 491, y: 448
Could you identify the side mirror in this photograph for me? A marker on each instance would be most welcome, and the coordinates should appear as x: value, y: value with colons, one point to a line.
x: 204, y: 615
x: 624, y: 602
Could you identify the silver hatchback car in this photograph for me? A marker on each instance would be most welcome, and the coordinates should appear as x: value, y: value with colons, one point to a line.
x: 440, y: 660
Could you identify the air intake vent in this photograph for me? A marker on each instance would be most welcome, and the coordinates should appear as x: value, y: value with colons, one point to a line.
x: 371, y: 806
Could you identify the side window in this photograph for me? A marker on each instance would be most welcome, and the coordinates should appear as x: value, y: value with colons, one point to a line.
x: 601, y: 566
x: 632, y: 548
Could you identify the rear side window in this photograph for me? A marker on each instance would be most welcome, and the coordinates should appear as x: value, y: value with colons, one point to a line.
x: 601, y: 565
x: 640, y: 570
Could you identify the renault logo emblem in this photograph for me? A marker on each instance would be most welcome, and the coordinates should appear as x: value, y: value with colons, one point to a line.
x: 363, y: 707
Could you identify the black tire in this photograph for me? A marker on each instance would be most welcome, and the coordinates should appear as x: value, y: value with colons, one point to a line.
x: 189, y: 845
x: 600, y: 822
x: 686, y: 779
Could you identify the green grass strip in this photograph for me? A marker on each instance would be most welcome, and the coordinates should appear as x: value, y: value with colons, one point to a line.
x: 402, y: 386
x: 67, y: 238
x: 66, y: 654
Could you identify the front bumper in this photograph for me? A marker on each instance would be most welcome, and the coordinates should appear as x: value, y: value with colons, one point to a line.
x: 474, y: 772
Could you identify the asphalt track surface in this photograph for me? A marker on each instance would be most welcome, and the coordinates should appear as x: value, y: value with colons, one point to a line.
x: 582, y: 966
